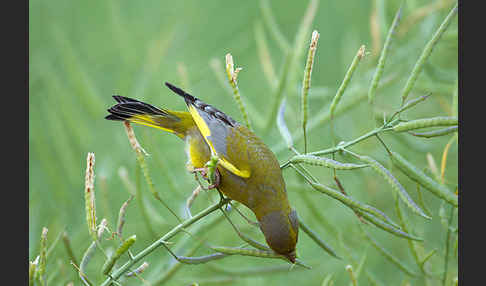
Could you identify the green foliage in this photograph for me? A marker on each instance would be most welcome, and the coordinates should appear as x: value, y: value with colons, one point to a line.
x: 80, y: 53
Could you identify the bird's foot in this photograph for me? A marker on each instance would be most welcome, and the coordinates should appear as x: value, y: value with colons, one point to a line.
x: 204, y: 173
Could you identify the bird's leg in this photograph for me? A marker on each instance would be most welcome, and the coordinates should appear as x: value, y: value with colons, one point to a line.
x: 216, y: 180
x: 204, y: 173
x: 212, y: 171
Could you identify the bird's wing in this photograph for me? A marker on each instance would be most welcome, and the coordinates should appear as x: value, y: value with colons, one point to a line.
x: 215, y: 126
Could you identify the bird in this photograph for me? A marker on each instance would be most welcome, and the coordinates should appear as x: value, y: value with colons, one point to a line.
x: 248, y: 170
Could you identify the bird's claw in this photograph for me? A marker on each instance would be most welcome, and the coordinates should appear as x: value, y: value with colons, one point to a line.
x: 204, y: 173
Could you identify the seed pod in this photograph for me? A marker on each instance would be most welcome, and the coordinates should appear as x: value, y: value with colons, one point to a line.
x: 383, y: 56
x: 89, y: 195
x: 138, y: 270
x: 396, y: 186
x: 120, y: 250
x: 41, y: 266
x: 413, y: 102
x: 253, y: 252
x: 387, y: 227
x: 282, y: 126
x: 435, y: 133
x: 200, y: 259
x: 307, y: 82
x: 121, y: 216
x: 425, y: 181
x: 317, y: 239
x: 337, y: 98
x: 32, y: 268
x: 425, y: 122
x: 325, y: 162
x: 351, y: 203
x: 389, y: 256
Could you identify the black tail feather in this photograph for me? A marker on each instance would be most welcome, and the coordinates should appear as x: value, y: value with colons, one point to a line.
x: 128, y: 107
x: 209, y: 109
x: 187, y: 97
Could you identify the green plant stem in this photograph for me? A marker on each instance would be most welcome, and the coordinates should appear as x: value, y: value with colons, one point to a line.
x: 389, y: 256
x: 124, y: 268
x: 350, y: 143
x: 264, y: 55
x: 140, y: 201
x: 277, y: 96
x: 272, y: 25
x: 411, y: 243
x: 314, y: 236
x: 323, y: 116
x: 448, y: 238
x: 69, y: 249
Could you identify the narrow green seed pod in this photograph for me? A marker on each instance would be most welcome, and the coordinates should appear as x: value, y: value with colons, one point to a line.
x: 273, y: 26
x: 425, y: 181
x: 245, y: 238
x: 264, y: 55
x: 119, y: 251
x: 351, y: 203
x: 389, y: 256
x: 411, y: 103
x: 41, y: 266
x: 317, y: 239
x: 347, y: 78
x: 427, y: 257
x: 32, y: 268
x: 246, y: 252
x: 383, y: 56
x: 282, y: 126
x: 325, y: 162
x: 279, y: 91
x: 84, y: 262
x: 232, y: 76
x: 201, y: 259
x: 425, y: 122
x: 253, y: 252
x: 138, y: 270
x: 349, y: 268
x: 328, y: 280
x: 121, y: 216
x: 426, y: 53
x: 69, y: 249
x: 435, y: 133
x: 396, y: 186
x: 455, y: 96
x: 306, y: 82
x: 387, y: 227
x: 89, y: 195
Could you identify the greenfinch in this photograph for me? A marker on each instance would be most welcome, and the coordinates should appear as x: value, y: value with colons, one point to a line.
x: 248, y: 171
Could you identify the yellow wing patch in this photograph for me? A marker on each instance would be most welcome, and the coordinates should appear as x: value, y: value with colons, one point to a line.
x: 146, y: 120
x: 206, y: 132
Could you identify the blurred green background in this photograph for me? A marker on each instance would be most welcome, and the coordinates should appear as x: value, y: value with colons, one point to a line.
x: 81, y: 53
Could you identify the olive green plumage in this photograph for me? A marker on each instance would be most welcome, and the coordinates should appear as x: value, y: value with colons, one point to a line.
x: 249, y: 171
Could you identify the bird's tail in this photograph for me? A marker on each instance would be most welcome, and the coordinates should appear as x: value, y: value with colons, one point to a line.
x: 135, y: 111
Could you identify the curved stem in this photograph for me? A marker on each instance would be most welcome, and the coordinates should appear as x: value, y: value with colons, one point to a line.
x: 350, y: 143
x: 120, y: 271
